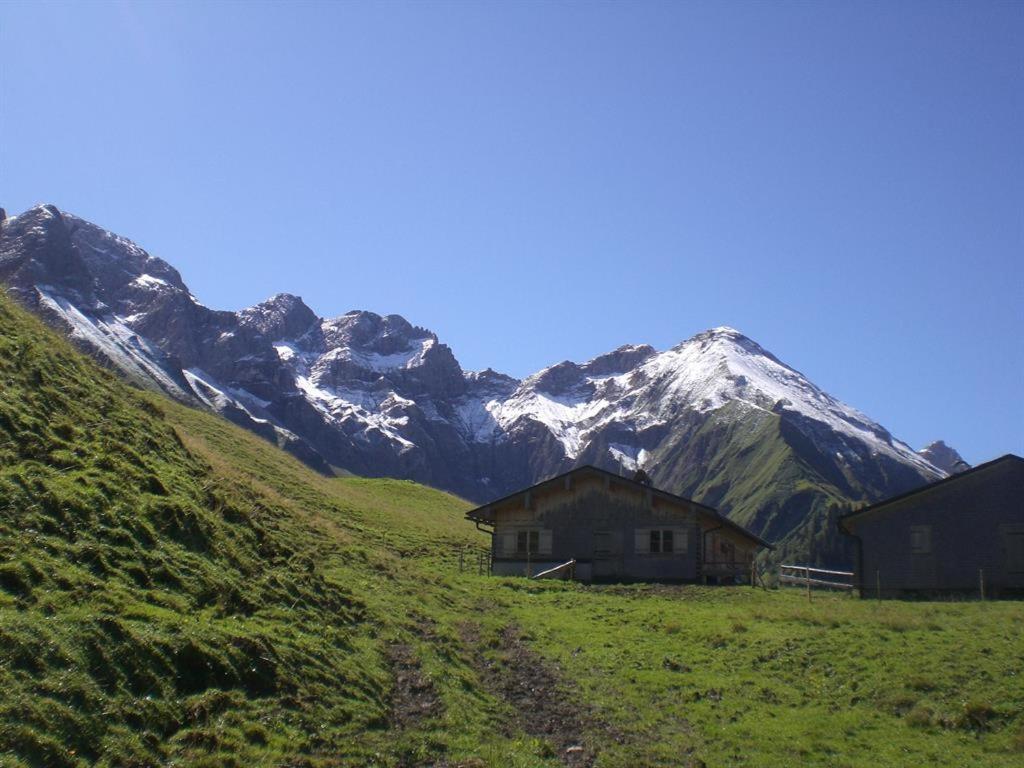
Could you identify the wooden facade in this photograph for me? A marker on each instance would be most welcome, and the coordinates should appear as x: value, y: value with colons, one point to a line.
x: 963, y: 534
x: 616, y: 529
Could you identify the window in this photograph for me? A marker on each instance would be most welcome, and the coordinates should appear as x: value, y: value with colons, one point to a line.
x: 527, y: 542
x: 659, y: 541
x: 920, y: 539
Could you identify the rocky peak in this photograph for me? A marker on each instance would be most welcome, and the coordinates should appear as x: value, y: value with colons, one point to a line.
x: 491, y: 381
x: 117, y: 261
x: 619, y: 361
x: 558, y: 379
x: 723, y: 339
x: 945, y: 458
x: 282, y: 316
x: 369, y: 331
x: 36, y: 249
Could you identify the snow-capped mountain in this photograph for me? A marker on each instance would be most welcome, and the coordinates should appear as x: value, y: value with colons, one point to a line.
x: 717, y: 417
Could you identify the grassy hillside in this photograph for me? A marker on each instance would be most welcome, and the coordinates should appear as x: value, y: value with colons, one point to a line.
x: 740, y: 463
x: 177, y: 589
x: 174, y: 590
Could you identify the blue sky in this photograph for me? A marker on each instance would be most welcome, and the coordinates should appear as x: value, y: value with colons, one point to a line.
x: 843, y: 182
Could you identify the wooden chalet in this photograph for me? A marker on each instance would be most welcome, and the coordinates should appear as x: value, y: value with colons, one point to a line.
x: 614, y: 529
x: 962, y: 534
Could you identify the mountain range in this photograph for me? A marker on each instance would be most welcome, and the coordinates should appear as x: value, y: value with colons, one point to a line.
x: 717, y: 418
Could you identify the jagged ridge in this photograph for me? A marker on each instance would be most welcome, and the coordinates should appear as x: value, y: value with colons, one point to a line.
x: 376, y: 395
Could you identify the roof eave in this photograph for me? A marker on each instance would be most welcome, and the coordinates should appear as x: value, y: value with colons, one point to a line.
x: 925, y: 488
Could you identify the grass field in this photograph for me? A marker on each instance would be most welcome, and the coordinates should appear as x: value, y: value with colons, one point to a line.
x: 176, y: 591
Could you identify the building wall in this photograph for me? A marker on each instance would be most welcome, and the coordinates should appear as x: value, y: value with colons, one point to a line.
x: 938, y: 540
x: 606, y: 527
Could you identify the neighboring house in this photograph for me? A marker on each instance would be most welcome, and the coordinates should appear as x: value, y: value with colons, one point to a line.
x: 951, y: 536
x: 616, y: 529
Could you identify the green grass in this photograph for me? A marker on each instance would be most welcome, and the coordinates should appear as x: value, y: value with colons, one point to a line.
x: 749, y: 677
x: 175, y: 590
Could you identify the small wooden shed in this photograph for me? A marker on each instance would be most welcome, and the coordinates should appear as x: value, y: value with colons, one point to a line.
x: 962, y: 534
x: 616, y: 529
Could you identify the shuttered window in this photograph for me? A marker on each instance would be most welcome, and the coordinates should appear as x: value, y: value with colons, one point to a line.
x: 655, y: 541
x: 680, y: 540
x: 642, y: 541
x: 660, y: 541
x: 527, y: 542
x: 508, y: 544
x: 534, y: 541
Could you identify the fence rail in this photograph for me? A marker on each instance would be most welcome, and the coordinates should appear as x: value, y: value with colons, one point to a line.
x: 475, y: 560
x: 565, y: 570
x: 808, y: 577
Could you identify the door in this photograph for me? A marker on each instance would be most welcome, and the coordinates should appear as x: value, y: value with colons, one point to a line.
x: 1013, y: 554
x: 607, y: 557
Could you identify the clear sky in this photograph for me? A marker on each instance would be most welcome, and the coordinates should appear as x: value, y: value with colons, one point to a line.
x: 843, y: 182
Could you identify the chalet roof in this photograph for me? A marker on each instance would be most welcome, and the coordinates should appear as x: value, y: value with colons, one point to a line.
x: 1009, y: 457
x: 483, y: 514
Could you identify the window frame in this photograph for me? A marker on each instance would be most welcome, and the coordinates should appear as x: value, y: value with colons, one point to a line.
x: 920, y: 539
x: 531, y: 536
x: 659, y: 541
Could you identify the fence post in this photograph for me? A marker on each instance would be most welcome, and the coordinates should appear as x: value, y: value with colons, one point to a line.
x: 878, y: 585
x: 807, y: 577
x: 981, y: 582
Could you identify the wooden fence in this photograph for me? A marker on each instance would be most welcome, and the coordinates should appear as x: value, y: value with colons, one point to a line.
x: 475, y: 560
x: 814, y: 578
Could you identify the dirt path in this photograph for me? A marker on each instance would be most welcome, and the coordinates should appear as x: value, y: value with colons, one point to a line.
x: 546, y: 707
x: 414, y: 697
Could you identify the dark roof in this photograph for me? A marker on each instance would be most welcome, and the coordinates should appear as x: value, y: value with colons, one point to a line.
x: 930, y: 486
x: 477, y: 515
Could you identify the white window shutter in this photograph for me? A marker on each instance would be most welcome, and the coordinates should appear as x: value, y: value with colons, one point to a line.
x: 681, y: 542
x: 642, y: 541
x: 508, y: 543
x: 544, y: 542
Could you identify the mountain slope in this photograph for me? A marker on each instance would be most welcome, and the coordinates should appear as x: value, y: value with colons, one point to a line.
x: 378, y: 396
x: 176, y: 591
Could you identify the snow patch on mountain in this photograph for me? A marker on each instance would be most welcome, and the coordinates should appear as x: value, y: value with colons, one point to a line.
x: 722, y: 366
x: 381, y: 363
x: 148, y: 281
x: 219, y: 396
x: 112, y: 337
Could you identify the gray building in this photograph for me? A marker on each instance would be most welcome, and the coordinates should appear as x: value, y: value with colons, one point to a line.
x: 616, y: 529
x: 951, y: 536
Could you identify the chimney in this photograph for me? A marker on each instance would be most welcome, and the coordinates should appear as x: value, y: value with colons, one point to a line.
x: 641, y: 477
